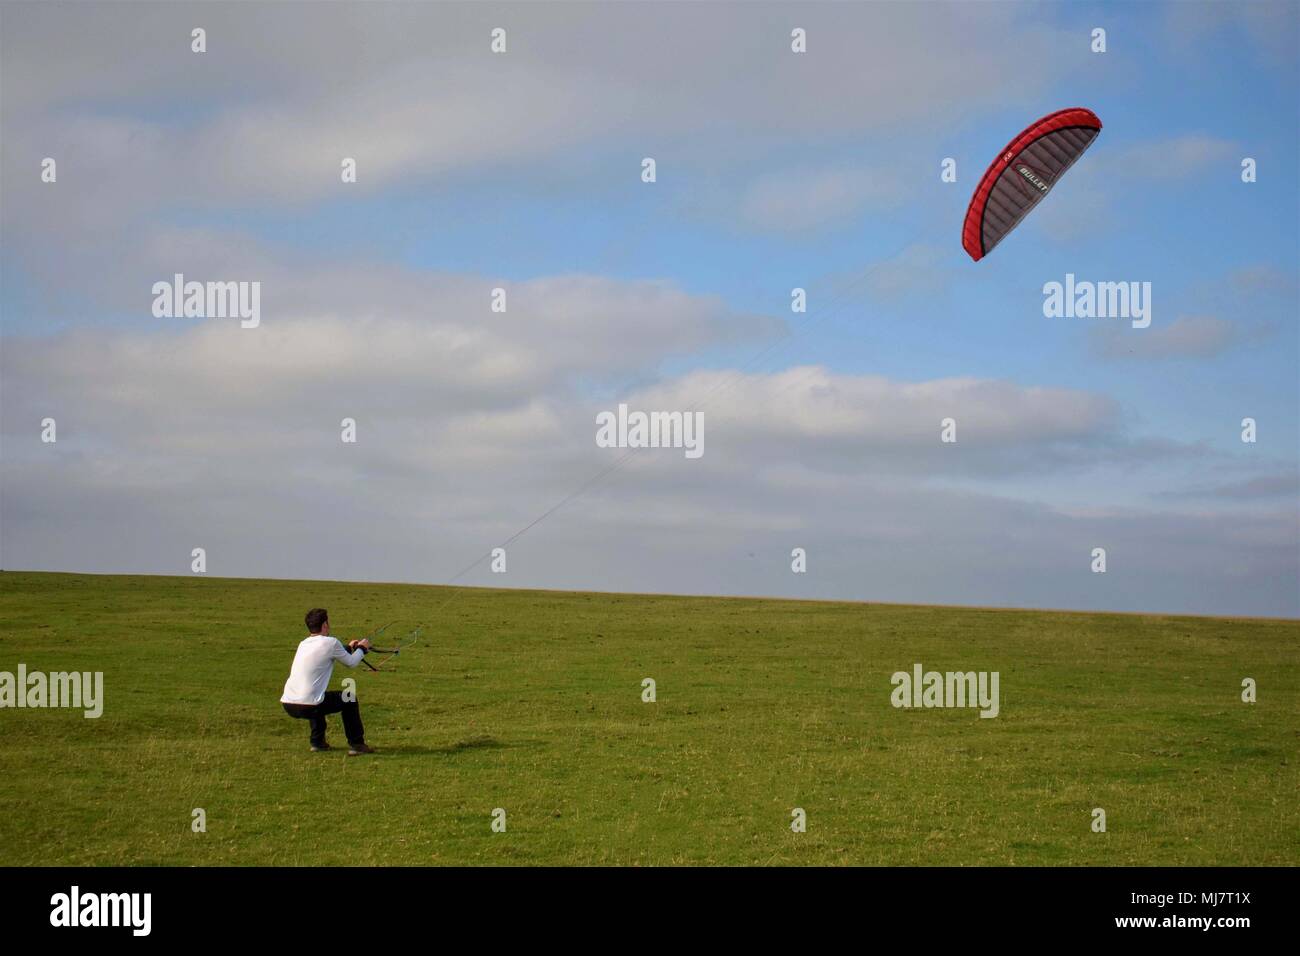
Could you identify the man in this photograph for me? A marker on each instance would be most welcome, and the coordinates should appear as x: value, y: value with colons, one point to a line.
x: 305, y: 695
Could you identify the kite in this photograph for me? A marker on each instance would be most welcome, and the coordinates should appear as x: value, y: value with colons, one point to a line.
x: 1023, y: 174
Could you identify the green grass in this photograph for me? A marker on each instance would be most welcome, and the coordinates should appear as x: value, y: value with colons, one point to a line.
x: 531, y: 701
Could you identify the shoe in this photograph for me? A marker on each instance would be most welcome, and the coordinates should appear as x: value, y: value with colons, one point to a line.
x: 320, y: 748
x: 356, y: 750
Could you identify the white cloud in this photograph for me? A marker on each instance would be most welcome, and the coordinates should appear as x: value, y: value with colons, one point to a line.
x: 229, y: 439
x: 1197, y: 336
x: 801, y: 199
x: 266, y: 115
x: 918, y: 268
x: 1177, y: 158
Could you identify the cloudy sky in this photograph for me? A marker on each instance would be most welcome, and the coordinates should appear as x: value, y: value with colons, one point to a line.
x: 775, y: 170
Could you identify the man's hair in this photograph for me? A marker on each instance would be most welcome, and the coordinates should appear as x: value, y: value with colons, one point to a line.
x: 316, y: 618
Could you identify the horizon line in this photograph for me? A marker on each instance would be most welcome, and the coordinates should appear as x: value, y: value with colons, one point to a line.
x: 658, y: 594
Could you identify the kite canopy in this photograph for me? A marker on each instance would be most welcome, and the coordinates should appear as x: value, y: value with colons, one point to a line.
x: 1023, y: 174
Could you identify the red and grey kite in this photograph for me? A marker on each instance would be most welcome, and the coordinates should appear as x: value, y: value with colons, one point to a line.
x: 1023, y: 174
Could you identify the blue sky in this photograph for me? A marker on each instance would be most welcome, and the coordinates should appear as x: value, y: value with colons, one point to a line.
x: 774, y: 171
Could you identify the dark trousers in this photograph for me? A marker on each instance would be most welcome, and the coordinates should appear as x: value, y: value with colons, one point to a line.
x: 332, y: 704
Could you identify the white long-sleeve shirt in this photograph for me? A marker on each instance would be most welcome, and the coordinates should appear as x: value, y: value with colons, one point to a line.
x: 312, y: 666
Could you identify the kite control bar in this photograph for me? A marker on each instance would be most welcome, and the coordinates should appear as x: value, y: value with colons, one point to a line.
x: 389, y: 652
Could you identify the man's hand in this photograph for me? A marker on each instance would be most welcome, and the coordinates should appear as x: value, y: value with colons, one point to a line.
x: 363, y: 643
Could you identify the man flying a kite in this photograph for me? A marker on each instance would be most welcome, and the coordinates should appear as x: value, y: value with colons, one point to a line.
x: 305, y: 695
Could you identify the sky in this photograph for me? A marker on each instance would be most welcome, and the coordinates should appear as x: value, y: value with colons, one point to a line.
x: 774, y: 170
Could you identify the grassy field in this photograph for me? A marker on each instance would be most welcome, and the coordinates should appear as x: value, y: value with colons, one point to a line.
x: 531, y: 701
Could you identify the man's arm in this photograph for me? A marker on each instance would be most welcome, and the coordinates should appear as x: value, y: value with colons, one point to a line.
x: 353, y: 656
